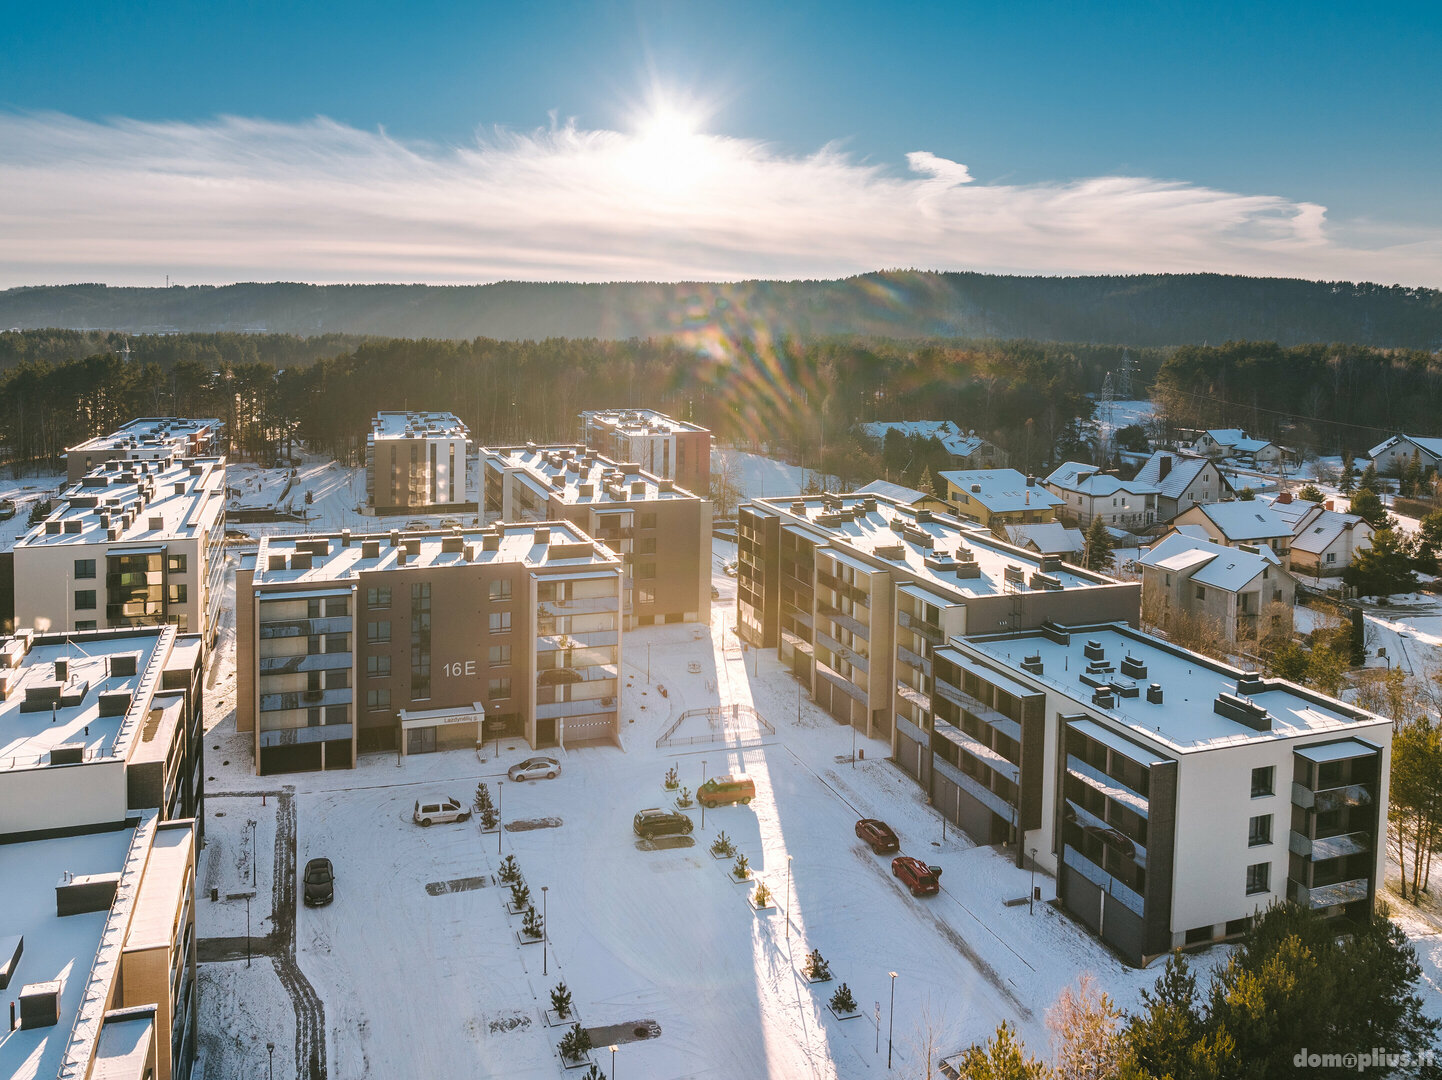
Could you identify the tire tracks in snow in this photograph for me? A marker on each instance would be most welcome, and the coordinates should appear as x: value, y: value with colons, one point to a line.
x: 310, y: 1056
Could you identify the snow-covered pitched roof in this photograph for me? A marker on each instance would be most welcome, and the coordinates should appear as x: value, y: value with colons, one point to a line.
x: 907, y: 495
x: 1245, y: 519
x: 1210, y: 564
x: 1185, y: 468
x: 1089, y: 480
x: 1320, y: 530
x: 1049, y: 538
x: 958, y: 443
x: 1426, y: 445
x: 1237, y: 440
x: 1293, y: 511
x: 1001, y: 490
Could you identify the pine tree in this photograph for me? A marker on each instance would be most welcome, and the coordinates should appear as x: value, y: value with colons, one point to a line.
x: 561, y: 1000
x: 576, y: 1043
x: 1003, y: 1057
x: 531, y: 925
x: 1369, y: 478
x: 762, y: 896
x: 520, y: 895
x: 1349, y: 475
x: 742, y: 869
x: 1412, y: 474
x: 1415, y: 807
x: 816, y: 967
x: 843, y: 1001
x: 509, y: 871
x: 722, y: 845
x: 1097, y: 551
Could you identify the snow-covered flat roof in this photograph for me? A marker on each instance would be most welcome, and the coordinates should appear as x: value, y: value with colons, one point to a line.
x: 638, y: 421
x: 418, y: 425
x: 576, y: 475
x: 1186, y: 719
x: 152, y: 433
x: 1001, y: 490
x: 28, y: 737
x: 173, y: 498
x: 871, y: 529
x: 338, y: 557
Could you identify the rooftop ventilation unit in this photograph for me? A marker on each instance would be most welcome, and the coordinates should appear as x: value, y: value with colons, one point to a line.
x: 1154, y: 693
x: 370, y: 549
x: 1093, y: 650
x: 1032, y: 663
x: 67, y: 754
x: 491, y: 542
x: 1243, y: 711
x: 1133, y: 668
x: 40, y: 1004
x: 1103, y: 698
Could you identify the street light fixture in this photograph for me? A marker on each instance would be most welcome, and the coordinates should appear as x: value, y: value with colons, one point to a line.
x: 545, y: 930
x: 270, y: 1048
x: 891, y: 1020
x: 499, y: 826
x: 613, y: 1061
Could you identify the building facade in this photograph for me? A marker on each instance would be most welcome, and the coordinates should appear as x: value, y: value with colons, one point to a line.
x: 671, y: 449
x: 416, y: 463
x: 148, y: 438
x: 1244, y: 595
x: 661, y: 530
x: 132, y: 543
x: 1394, y: 454
x: 423, y: 641
x: 996, y: 498
x: 1182, y: 481
x: 1087, y: 493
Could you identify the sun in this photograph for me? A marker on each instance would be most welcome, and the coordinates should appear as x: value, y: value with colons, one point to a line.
x: 669, y: 151
x: 668, y: 125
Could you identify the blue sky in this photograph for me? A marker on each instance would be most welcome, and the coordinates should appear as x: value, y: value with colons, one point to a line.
x: 1309, y: 105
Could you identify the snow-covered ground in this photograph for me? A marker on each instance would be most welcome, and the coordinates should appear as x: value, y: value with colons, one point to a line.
x: 761, y: 477
x: 432, y: 981
x: 25, y: 491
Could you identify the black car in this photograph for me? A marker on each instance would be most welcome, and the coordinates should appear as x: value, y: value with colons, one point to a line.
x: 319, y: 880
x: 658, y: 822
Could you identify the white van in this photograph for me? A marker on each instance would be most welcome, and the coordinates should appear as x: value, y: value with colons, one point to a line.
x: 448, y: 809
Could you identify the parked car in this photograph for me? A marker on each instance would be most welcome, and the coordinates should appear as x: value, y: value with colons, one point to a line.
x: 448, y: 809
x: 729, y: 568
x: 318, y: 883
x: 728, y: 788
x: 916, y: 875
x: 658, y: 822
x: 534, y: 768
x: 878, y: 834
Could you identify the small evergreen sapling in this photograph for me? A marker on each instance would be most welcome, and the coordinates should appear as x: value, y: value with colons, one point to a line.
x: 593, y: 1073
x: 489, y: 818
x: 576, y: 1043
x: 842, y: 1002
x: 762, y: 896
x: 483, y: 798
x: 722, y: 845
x: 672, y: 783
x: 816, y: 969
x: 509, y: 871
x: 561, y: 1001
x: 684, y: 799
x: 531, y: 925
x: 742, y: 870
x: 520, y: 895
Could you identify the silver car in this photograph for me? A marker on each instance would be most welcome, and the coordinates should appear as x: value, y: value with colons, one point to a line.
x: 535, y: 768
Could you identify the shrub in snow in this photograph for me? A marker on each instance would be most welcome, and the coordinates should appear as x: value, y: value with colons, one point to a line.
x: 483, y: 798
x: 722, y: 845
x: 672, y: 783
x: 684, y: 799
x: 520, y: 895
x: 531, y: 924
x: 509, y: 871
x: 763, y: 895
x: 816, y: 967
x: 576, y: 1043
x: 593, y: 1073
x: 489, y: 818
x: 742, y: 869
x: 561, y: 1001
x: 842, y: 1001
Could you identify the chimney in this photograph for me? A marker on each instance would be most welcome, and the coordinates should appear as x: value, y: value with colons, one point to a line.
x: 1328, y: 504
x: 1284, y: 498
x: 1031, y: 481
x: 1164, y: 466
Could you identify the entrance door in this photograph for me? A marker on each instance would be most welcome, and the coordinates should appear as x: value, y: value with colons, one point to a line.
x: 421, y: 740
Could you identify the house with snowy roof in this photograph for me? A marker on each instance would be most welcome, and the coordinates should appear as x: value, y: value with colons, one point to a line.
x: 1182, y: 481
x: 1393, y: 455
x: 1048, y: 538
x: 1228, y: 587
x: 967, y: 449
x: 1324, y: 540
x: 1088, y: 493
x: 998, y: 497
x: 1248, y: 523
x: 1235, y: 443
x: 919, y: 500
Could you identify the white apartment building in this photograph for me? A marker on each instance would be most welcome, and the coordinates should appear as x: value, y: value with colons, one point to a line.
x: 132, y: 543
x: 148, y: 438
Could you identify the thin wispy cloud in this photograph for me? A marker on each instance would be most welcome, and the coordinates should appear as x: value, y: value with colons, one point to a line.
x: 126, y: 202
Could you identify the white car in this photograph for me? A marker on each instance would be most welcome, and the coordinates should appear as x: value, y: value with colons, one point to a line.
x: 535, y: 768
x: 729, y: 569
x: 448, y: 809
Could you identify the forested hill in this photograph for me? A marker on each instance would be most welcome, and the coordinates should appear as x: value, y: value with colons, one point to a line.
x: 1162, y: 309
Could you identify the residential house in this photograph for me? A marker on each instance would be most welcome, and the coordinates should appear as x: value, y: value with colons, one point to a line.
x: 1241, y: 522
x: 995, y: 498
x: 1088, y: 493
x: 1230, y: 588
x: 1182, y: 481
x: 967, y: 449
x: 1235, y: 443
x: 1324, y: 540
x: 1048, y: 538
x: 1394, y: 454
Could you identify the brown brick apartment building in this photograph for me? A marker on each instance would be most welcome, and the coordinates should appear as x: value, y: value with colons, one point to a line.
x: 671, y: 449
x: 416, y: 462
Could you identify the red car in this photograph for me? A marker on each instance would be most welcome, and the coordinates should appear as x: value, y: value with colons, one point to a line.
x: 878, y: 834
x: 916, y: 875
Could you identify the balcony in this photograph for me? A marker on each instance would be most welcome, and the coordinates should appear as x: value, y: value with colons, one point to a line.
x: 589, y: 605
x: 587, y: 707
x: 1330, y: 847
x: 849, y: 655
x: 564, y: 676
x: 1328, y: 799
x: 916, y: 660
x: 929, y: 631
x: 285, y: 628
x: 289, y: 665
x: 594, y: 638
x: 304, y: 699
x: 983, y: 712
x: 1325, y: 896
x: 913, y: 697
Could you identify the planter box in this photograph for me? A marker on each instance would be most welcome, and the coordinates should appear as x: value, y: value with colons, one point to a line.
x: 686, y: 809
x: 719, y: 858
x: 522, y: 939
x: 552, y: 1020
x: 761, y: 908
x: 576, y: 1063
x: 511, y: 908
x: 813, y: 982
x: 750, y: 878
x: 843, y: 1016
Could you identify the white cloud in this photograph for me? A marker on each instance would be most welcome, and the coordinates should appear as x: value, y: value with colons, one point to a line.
x: 127, y: 202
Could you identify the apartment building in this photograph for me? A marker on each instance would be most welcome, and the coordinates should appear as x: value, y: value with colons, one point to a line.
x: 1174, y: 797
x: 661, y: 530
x: 425, y: 641
x: 856, y: 591
x: 98, y: 952
x: 671, y: 449
x: 996, y: 498
x: 97, y: 726
x: 416, y: 463
x: 148, y: 438
x: 1243, y: 594
x: 131, y: 543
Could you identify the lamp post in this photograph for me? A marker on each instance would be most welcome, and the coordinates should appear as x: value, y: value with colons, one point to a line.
x: 703, y: 801
x: 891, y: 1019
x: 270, y: 1049
x: 613, y: 1061
x: 788, y: 898
x: 498, y: 819
x: 247, y: 931
x: 545, y: 931
x: 648, y: 663
x: 853, y: 744
x: 254, y: 858
x: 1031, y: 896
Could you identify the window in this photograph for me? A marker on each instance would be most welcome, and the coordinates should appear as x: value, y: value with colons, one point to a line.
x: 645, y: 521
x: 178, y: 594
x: 645, y: 571
x: 379, y: 632
x: 500, y: 589
x: 84, y: 568
x: 1331, y: 558
x: 376, y: 700
x: 421, y: 640
x: 498, y: 688
x: 1201, y: 592
x: 336, y: 607
x: 85, y: 624
x: 84, y: 599
x: 645, y: 594
x: 1259, y: 878
x: 337, y: 679
x: 1259, y: 830
x: 646, y: 546
x: 1263, y: 781
x: 378, y: 598
x: 499, y: 655
x: 500, y: 622
x: 378, y: 667
x: 176, y: 564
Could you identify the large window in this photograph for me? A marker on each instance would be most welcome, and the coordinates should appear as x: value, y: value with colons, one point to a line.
x: 176, y: 564
x: 500, y: 622
x: 1259, y: 878
x: 376, y: 700
x: 1263, y: 781
x: 378, y: 667
x: 420, y: 641
x: 498, y: 655
x: 378, y: 632
x: 378, y: 598
x: 500, y: 589
x: 498, y: 688
x: 1259, y: 830
x: 84, y: 568
x: 84, y: 599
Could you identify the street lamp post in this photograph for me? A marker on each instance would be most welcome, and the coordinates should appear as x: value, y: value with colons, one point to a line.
x: 270, y: 1049
x: 788, y: 898
x: 853, y: 744
x: 613, y: 1061
x: 254, y: 858
x: 1031, y: 897
x: 498, y: 818
x: 648, y: 663
x: 891, y: 1020
x: 545, y: 931
x: 247, y: 931
x: 703, y: 801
